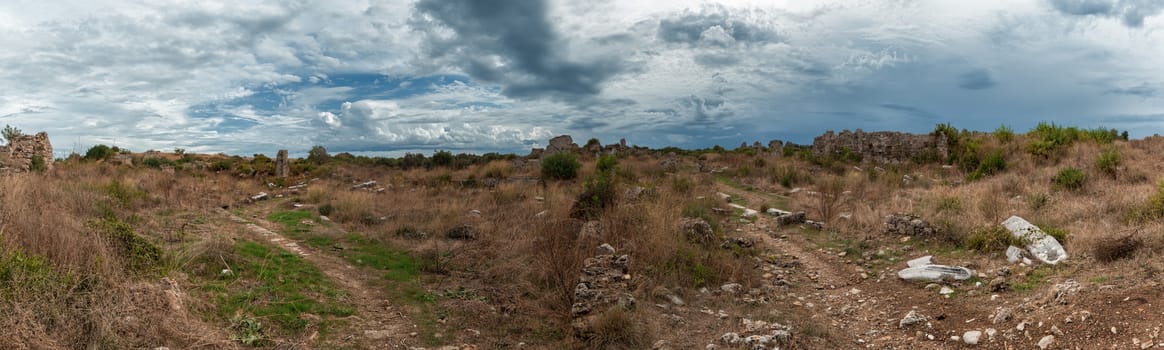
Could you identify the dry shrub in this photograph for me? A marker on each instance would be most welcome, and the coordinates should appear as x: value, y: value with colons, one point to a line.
x: 617, y: 329
x: 1112, y: 249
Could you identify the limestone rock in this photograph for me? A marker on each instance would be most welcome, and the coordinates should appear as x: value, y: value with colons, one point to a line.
x: 912, y: 318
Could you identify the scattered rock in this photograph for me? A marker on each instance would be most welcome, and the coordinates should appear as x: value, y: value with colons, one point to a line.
x: 1062, y: 293
x: 605, y: 249
x: 1046, y: 341
x: 697, y: 230
x: 908, y: 225
x: 260, y: 196
x: 737, y: 242
x: 732, y: 288
x: 1003, y: 315
x: 999, y: 284
x: 971, y: 337
x: 791, y: 219
x: 912, y: 318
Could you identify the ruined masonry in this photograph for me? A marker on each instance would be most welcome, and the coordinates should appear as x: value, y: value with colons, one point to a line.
x: 282, y: 169
x: 17, y: 156
x: 880, y: 146
x: 604, y: 284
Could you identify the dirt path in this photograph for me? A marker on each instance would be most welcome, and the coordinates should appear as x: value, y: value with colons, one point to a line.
x: 376, y: 324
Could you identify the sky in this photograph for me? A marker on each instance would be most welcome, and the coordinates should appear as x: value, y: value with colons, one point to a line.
x: 393, y: 76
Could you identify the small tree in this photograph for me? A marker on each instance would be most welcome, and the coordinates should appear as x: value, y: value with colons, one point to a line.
x: 318, y: 155
x: 560, y: 166
x: 10, y: 132
x: 99, y: 152
x: 442, y: 158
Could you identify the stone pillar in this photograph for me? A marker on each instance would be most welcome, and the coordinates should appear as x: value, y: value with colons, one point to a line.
x: 282, y: 168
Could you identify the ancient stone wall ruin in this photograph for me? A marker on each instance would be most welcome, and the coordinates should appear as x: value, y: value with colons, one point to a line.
x: 22, y: 151
x: 880, y: 146
x: 282, y: 167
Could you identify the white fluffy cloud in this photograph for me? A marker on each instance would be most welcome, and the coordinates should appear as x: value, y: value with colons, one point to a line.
x: 385, y: 76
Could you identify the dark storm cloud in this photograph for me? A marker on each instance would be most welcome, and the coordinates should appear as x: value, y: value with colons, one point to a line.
x: 512, y: 43
x: 1131, y: 12
x: 690, y: 28
x: 976, y: 80
x: 910, y: 111
x: 1143, y: 90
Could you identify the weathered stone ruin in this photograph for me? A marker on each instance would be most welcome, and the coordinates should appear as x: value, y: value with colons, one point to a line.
x: 561, y: 144
x: 282, y: 167
x: 880, y: 146
x: 776, y: 147
x: 22, y: 151
x: 908, y: 225
x: 603, y: 285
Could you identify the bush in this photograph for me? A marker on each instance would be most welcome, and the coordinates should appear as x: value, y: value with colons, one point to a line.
x: 788, y: 176
x: 1058, y: 233
x: 993, y: 164
x: 991, y: 239
x: 598, y: 192
x: 326, y: 209
x: 560, y: 166
x: 1004, y: 133
x: 1070, y: 178
x: 99, y: 152
x: 1152, y: 210
x: 38, y: 164
x: 1108, y: 161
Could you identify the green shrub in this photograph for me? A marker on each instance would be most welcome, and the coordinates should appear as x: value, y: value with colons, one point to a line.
x: 1152, y: 210
x: 1108, y: 161
x: 99, y: 152
x: 1070, y: 178
x: 560, y: 166
x: 991, y: 239
x: 38, y: 164
x: 326, y: 209
x: 1059, y: 233
x: 1004, y: 133
x: 788, y: 176
x: 598, y: 192
x: 993, y: 164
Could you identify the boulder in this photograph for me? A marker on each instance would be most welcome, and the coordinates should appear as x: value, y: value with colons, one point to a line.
x: 1044, y: 247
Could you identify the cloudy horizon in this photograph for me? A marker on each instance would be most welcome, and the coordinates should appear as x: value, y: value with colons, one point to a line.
x: 388, y: 77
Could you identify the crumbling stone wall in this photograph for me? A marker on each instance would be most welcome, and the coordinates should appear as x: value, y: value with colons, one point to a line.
x: 18, y: 154
x: 603, y: 284
x: 880, y: 146
x: 561, y: 144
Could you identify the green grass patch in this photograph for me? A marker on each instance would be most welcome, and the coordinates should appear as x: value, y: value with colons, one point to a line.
x: 1034, y: 278
x: 272, y: 286
x: 292, y: 221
